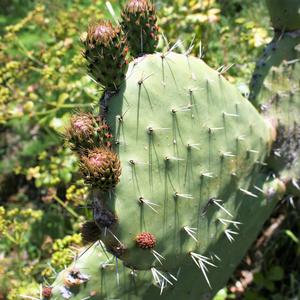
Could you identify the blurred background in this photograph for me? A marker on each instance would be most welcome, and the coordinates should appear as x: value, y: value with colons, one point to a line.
x: 43, y: 80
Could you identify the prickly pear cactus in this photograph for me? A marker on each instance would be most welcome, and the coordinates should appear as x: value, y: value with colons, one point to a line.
x: 179, y: 193
x: 191, y: 196
x: 276, y: 93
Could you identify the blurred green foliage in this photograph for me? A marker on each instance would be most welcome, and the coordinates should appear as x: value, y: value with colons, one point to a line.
x: 43, y: 80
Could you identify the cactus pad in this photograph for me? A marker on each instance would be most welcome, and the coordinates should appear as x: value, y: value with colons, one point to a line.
x: 276, y: 92
x: 285, y: 14
x: 192, y: 194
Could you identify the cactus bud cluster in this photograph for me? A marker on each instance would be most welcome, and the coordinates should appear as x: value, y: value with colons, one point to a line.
x: 207, y: 204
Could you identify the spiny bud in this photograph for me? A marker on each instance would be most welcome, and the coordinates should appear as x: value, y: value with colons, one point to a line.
x: 101, y: 168
x: 145, y: 240
x: 106, y: 52
x: 90, y: 232
x: 139, y: 23
x: 86, y: 132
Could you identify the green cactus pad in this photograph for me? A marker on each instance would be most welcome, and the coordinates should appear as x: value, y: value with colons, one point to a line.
x: 192, y: 151
x: 285, y: 14
x: 276, y: 92
x: 184, y: 135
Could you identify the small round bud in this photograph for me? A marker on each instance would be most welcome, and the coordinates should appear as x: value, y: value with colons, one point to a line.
x: 101, y: 168
x: 86, y: 132
x: 145, y: 240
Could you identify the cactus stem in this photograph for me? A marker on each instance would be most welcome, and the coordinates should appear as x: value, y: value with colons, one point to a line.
x: 216, y: 202
x: 229, y: 234
x: 248, y: 193
x: 201, y: 262
x: 191, y: 232
x: 148, y: 203
x: 157, y: 256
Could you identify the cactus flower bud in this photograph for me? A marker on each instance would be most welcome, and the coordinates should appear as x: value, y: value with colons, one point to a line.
x: 139, y: 22
x: 145, y: 240
x: 101, y: 168
x: 106, y: 52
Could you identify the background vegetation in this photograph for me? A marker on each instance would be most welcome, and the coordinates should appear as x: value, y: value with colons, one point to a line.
x: 43, y: 80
